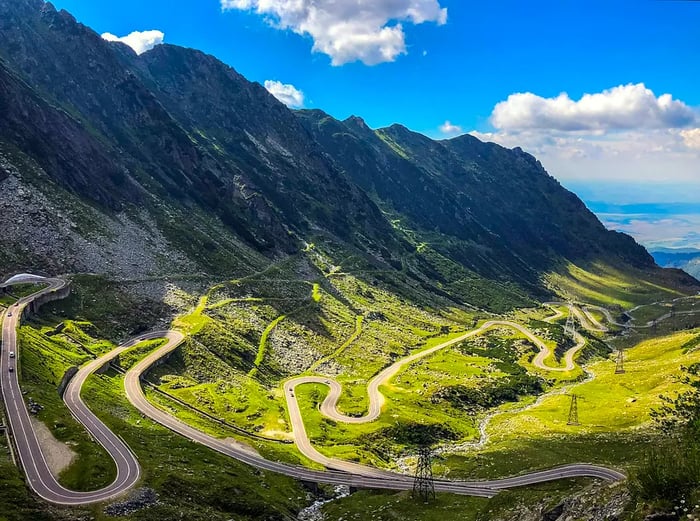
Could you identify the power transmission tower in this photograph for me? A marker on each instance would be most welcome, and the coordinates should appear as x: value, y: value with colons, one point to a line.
x: 620, y: 368
x: 423, y: 485
x: 573, y: 410
x: 570, y: 327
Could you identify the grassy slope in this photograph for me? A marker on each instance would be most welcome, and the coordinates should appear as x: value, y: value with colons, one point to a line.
x: 645, y: 314
x: 210, y: 371
x: 416, y: 395
x: 386, y: 506
x: 172, y: 466
x: 10, y: 295
x: 608, y: 286
x: 16, y: 502
x: 214, y: 372
x: 612, y: 402
x: 44, y: 359
x: 540, y: 438
x: 192, y: 481
x: 104, y: 303
x: 257, y: 403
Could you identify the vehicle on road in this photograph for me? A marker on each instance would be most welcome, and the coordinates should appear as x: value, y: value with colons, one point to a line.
x: 12, y: 369
x: 9, y: 314
x: 12, y: 354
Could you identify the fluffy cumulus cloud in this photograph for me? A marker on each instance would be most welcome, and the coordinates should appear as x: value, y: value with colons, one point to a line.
x: 369, y: 31
x: 139, y: 41
x: 287, y: 94
x: 623, y: 107
x: 626, y: 134
x: 449, y: 129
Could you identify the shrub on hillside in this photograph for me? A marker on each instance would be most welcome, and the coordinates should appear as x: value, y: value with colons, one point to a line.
x: 671, y: 471
x: 501, y: 391
x: 668, y: 473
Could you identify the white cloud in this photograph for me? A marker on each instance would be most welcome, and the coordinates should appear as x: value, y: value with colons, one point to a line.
x: 287, y: 94
x: 623, y: 107
x: 139, y: 41
x: 621, y: 135
x: 369, y: 31
x: 449, y: 129
x: 691, y: 137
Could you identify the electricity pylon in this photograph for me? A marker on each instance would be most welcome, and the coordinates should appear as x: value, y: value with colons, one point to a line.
x: 620, y: 368
x: 573, y: 410
x: 423, y: 484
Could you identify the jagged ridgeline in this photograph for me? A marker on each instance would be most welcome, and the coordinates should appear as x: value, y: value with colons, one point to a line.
x: 172, y: 162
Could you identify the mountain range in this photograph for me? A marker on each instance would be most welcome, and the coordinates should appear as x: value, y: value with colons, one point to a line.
x: 687, y: 259
x: 172, y: 162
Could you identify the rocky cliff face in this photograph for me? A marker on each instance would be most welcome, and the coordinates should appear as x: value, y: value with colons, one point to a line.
x: 173, y: 162
x: 597, y: 502
x: 258, y: 171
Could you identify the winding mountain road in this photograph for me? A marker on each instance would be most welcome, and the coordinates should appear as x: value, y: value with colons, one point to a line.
x: 342, y: 472
x: 31, y: 456
x: 585, y: 315
x: 44, y: 484
x: 329, y: 407
x: 361, y: 477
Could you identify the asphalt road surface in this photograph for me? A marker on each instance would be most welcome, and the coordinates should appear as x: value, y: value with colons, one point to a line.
x: 592, y: 324
x: 329, y: 407
x: 30, y: 454
x: 44, y: 484
x: 342, y: 472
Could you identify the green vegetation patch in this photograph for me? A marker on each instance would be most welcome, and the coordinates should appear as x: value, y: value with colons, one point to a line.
x: 451, y: 389
x: 262, y: 347
x: 602, y: 284
x: 611, y: 402
x: 192, y: 481
x: 18, y: 291
x: 16, y: 502
x: 508, y: 389
x: 43, y: 362
x: 392, y: 506
x: 129, y: 358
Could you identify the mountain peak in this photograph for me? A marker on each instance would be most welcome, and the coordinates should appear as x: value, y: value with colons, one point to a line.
x: 178, y: 126
x: 398, y: 127
x: 357, y: 121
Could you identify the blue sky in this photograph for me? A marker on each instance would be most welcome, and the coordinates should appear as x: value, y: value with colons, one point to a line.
x: 495, y: 69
